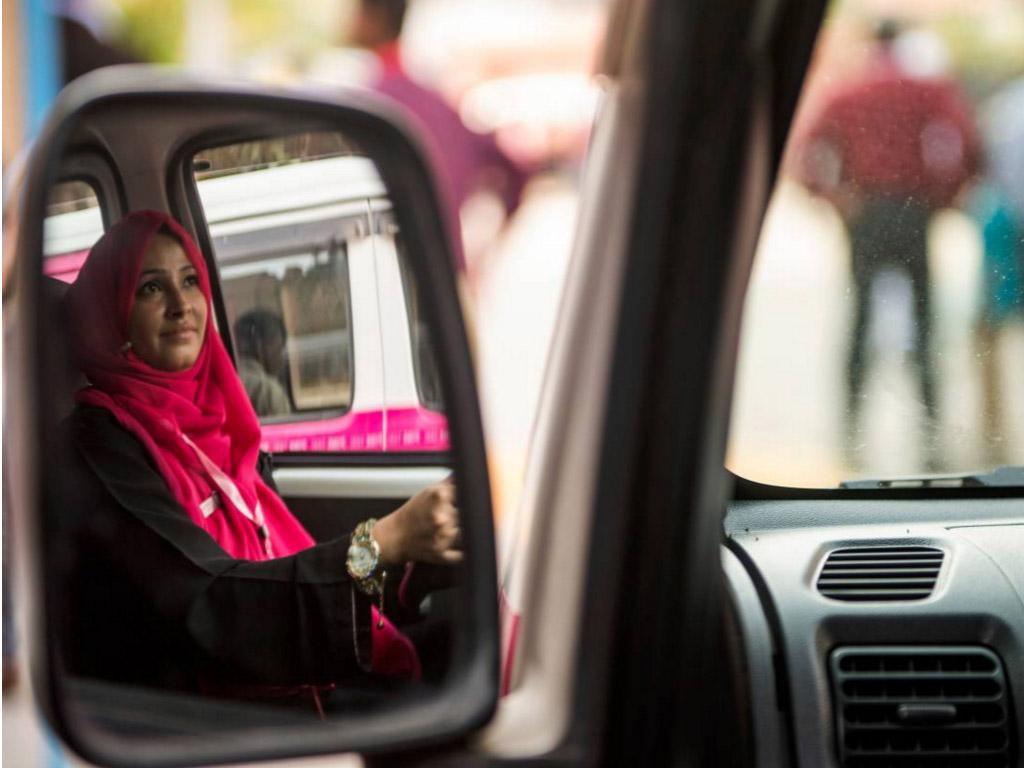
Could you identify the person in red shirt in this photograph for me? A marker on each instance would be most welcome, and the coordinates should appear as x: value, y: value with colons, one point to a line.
x: 888, y: 149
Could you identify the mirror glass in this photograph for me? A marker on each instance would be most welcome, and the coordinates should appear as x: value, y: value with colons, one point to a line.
x: 253, y: 518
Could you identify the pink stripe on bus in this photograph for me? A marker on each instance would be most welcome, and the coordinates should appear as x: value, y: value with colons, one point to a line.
x: 65, y: 266
x: 408, y: 430
x: 354, y: 432
x: 416, y: 429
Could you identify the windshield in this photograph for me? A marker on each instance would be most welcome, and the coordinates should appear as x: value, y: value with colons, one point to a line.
x: 883, y: 332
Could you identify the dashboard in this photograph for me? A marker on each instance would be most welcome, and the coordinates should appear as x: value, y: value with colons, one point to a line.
x: 881, y: 632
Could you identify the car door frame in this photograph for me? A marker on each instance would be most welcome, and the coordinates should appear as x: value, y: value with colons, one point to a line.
x: 646, y: 681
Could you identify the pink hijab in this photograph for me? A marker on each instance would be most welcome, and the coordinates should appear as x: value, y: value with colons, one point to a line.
x: 207, y: 402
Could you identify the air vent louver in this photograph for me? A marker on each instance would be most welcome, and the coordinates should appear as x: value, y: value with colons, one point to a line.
x: 880, y: 573
x: 935, y: 707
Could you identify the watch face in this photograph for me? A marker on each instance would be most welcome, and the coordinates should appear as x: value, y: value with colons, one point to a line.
x: 361, y: 560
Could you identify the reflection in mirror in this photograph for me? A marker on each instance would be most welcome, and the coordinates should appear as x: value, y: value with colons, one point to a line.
x: 193, y: 568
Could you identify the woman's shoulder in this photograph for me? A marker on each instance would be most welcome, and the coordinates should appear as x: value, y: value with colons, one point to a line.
x: 84, y: 414
x: 89, y: 423
x: 119, y: 460
x: 96, y: 432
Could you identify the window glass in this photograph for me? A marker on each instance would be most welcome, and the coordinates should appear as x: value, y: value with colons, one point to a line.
x: 289, y: 319
x: 883, y: 331
x: 74, y: 222
x: 282, y: 216
x: 428, y: 380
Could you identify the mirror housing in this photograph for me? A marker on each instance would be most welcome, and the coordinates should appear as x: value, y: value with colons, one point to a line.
x: 103, y: 725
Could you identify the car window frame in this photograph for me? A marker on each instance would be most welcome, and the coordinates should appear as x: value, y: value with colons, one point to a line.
x: 408, y: 291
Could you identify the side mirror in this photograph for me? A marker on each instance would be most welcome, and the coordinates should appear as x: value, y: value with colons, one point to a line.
x: 156, y: 644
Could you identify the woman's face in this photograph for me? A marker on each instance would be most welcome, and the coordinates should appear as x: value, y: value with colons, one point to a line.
x: 168, y: 319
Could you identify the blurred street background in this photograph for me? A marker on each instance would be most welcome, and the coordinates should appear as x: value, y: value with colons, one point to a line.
x: 915, y: 109
x: 523, y: 72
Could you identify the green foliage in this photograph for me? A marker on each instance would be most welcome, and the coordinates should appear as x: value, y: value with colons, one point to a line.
x: 983, y: 55
x: 153, y: 30
x: 299, y: 26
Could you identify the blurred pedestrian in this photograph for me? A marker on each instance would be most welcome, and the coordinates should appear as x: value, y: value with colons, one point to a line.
x: 999, y: 208
x: 1003, y: 124
x: 888, y: 149
x: 466, y: 161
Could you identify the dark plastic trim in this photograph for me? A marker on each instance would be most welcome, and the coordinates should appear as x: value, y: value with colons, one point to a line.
x: 750, y: 490
x: 931, y: 717
x: 712, y: 146
x: 783, y: 697
x: 382, y: 459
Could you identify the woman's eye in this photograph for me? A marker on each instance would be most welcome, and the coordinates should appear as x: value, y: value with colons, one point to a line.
x: 192, y: 281
x: 149, y: 288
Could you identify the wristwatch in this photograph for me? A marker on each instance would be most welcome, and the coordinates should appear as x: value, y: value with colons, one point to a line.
x: 363, y: 560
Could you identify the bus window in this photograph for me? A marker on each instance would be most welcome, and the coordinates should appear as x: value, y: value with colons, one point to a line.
x: 74, y: 222
x: 283, y: 215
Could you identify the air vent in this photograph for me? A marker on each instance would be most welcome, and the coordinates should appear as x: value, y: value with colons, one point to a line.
x: 914, y: 707
x: 880, y: 573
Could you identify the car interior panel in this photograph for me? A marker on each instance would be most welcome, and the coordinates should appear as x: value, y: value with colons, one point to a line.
x: 894, y: 630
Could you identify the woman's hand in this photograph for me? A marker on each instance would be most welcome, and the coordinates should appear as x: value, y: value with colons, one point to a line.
x: 425, y: 529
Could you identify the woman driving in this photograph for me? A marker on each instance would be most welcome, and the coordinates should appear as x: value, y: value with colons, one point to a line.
x: 198, y: 577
